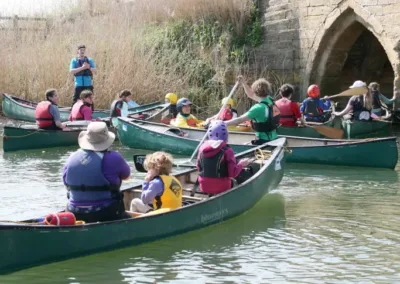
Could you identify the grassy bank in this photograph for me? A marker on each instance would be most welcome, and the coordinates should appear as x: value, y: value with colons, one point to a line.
x: 192, y: 47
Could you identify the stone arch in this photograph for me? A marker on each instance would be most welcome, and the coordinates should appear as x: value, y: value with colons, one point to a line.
x: 334, y: 41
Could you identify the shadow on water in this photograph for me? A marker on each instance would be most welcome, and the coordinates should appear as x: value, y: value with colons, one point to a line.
x: 147, y: 262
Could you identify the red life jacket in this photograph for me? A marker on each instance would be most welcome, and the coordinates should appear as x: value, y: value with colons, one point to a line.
x: 44, y: 118
x: 191, y: 122
x: 76, y: 111
x: 287, y: 116
x: 226, y: 114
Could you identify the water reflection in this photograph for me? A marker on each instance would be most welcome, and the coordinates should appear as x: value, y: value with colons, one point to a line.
x: 211, y: 252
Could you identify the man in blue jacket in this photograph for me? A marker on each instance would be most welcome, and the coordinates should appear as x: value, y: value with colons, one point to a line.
x: 82, y: 68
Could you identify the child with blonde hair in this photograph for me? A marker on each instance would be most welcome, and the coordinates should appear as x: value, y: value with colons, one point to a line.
x: 160, y: 190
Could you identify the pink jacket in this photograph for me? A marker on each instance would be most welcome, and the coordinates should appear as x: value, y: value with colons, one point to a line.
x: 217, y: 185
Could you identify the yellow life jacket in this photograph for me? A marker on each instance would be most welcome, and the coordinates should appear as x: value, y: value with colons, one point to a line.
x: 172, y: 195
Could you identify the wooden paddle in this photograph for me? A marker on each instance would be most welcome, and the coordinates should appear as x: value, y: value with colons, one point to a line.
x: 351, y: 92
x: 330, y: 132
x: 219, y: 113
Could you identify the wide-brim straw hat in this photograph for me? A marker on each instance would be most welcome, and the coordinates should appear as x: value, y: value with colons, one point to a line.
x: 96, y: 137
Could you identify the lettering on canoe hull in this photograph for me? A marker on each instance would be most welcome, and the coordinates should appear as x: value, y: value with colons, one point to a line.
x: 216, y: 216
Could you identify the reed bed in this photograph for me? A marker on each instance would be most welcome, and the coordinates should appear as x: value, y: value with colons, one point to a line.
x: 149, y: 47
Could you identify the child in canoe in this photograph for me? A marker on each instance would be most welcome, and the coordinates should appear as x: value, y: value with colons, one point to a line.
x: 184, y: 117
x: 216, y: 161
x: 264, y: 115
x: 313, y: 107
x: 160, y: 190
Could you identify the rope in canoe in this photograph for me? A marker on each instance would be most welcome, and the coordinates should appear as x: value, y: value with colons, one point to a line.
x: 22, y: 136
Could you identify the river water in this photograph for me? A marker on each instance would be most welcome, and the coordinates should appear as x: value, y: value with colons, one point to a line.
x: 321, y: 225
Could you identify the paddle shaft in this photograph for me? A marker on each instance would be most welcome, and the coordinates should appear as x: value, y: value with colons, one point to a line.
x: 219, y: 113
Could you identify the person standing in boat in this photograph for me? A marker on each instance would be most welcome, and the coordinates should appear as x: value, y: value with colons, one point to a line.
x: 82, y: 109
x: 82, y: 68
x: 313, y: 107
x: 264, y: 115
x: 160, y: 189
x: 120, y: 106
x: 358, y: 107
x: 93, y: 177
x: 377, y: 106
x: 184, y: 117
x: 47, y: 114
x: 290, y: 111
x: 216, y: 161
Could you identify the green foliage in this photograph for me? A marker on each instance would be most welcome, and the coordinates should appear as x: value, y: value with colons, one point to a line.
x: 186, y: 49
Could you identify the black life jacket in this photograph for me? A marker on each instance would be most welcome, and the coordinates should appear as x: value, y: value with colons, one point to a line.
x: 173, y: 111
x: 376, y: 102
x: 78, y: 63
x: 116, y: 107
x: 311, y: 107
x: 358, y: 107
x: 273, y: 119
x: 213, y: 167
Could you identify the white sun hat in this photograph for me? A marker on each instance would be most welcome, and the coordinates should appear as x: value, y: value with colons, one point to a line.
x: 358, y: 84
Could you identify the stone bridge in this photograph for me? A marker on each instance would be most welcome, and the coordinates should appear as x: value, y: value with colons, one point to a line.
x: 332, y: 42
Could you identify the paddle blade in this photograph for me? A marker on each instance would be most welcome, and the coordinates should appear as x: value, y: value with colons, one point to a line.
x: 139, y: 163
x: 330, y: 132
x: 352, y: 92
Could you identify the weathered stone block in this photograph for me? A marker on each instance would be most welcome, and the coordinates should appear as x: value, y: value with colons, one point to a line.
x: 313, y: 3
x: 318, y: 11
x: 369, y: 2
x: 386, y: 2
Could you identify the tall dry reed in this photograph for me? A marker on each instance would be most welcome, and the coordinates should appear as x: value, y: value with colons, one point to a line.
x: 124, y: 41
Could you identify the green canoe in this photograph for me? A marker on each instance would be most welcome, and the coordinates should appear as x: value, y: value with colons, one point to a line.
x: 23, y: 245
x: 25, y: 137
x: 20, y: 109
x: 377, y: 152
x: 366, y: 129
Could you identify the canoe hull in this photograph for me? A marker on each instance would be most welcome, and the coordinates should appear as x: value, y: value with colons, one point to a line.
x: 378, y: 153
x: 366, y: 129
x: 16, y: 138
x: 25, y: 110
x: 22, y: 246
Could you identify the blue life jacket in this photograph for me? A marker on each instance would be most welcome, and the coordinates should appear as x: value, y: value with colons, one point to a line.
x: 85, y: 179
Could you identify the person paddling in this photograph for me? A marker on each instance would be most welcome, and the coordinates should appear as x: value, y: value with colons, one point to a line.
x: 120, y: 106
x: 160, y: 189
x: 184, y: 117
x: 216, y: 161
x: 313, y: 107
x: 93, y: 177
x: 264, y: 115
x: 47, y: 114
x: 358, y: 107
x: 290, y: 112
x: 228, y: 112
x: 82, y: 109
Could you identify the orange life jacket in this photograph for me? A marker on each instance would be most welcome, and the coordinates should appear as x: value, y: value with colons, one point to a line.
x: 191, y: 121
x: 287, y: 116
x: 76, y: 111
x: 43, y: 116
x: 226, y: 114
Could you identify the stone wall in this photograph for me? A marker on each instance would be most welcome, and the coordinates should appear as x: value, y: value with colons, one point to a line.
x: 309, y: 41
